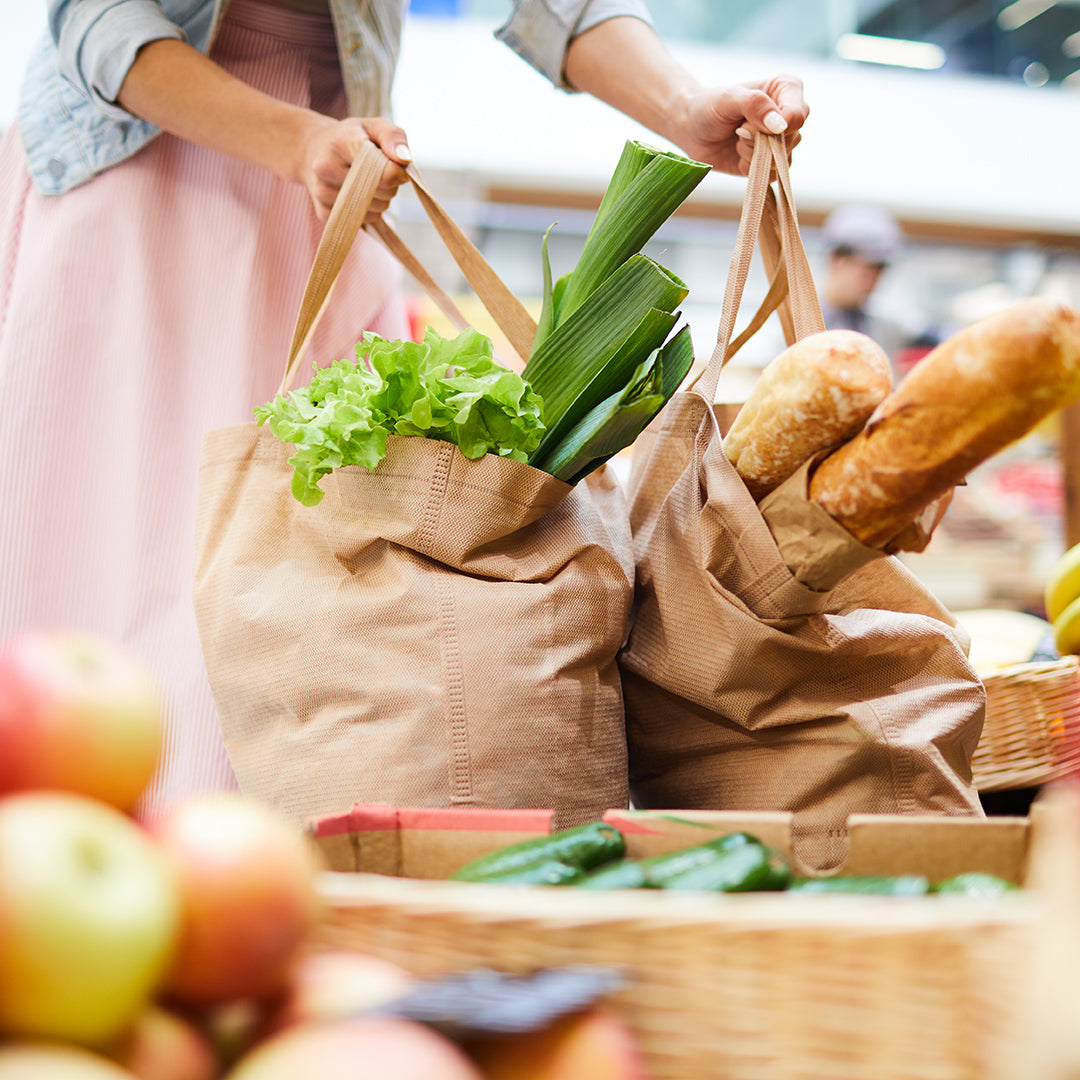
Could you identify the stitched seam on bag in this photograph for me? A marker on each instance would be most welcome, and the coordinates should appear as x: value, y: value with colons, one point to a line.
x: 436, y: 495
x: 458, y: 484
x: 461, y: 788
x: 899, y: 765
x: 765, y: 588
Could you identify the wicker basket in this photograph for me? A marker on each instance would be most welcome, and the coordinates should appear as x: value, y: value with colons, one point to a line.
x: 1032, y: 730
x: 751, y: 987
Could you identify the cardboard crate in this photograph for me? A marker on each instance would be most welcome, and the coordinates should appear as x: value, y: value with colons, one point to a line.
x: 738, y: 987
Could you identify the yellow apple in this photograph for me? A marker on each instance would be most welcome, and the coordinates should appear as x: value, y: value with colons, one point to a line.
x: 89, y: 917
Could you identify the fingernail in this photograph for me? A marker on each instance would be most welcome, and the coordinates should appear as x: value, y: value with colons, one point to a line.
x: 775, y: 122
x: 744, y: 133
x: 403, y: 153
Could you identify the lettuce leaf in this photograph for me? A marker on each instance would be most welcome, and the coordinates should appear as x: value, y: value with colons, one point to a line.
x: 450, y: 389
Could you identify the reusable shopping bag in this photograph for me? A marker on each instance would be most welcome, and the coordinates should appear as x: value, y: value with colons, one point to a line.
x: 437, y: 632
x: 744, y: 687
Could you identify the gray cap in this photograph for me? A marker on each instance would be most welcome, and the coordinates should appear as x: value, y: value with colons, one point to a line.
x: 868, y: 230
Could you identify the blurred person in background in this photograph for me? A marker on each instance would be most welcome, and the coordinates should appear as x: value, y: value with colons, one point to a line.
x: 162, y: 193
x: 860, y: 243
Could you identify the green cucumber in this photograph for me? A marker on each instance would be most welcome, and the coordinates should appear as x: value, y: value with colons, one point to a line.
x: 584, y: 846
x: 659, y: 869
x: 621, y: 874
x: 975, y: 883
x: 549, y: 872
x: 745, y: 868
x: 865, y: 884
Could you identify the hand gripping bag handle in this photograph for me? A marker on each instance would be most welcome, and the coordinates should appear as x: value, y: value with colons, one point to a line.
x: 770, y: 218
x: 345, y: 222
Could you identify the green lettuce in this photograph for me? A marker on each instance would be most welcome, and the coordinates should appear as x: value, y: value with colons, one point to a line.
x: 451, y: 389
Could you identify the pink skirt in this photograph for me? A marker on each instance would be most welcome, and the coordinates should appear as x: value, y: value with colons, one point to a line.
x: 138, y: 312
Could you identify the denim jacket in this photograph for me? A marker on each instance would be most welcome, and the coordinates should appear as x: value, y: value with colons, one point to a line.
x: 72, y: 128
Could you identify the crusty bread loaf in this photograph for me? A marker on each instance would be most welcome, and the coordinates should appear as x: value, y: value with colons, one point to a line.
x: 816, y: 394
x: 973, y: 395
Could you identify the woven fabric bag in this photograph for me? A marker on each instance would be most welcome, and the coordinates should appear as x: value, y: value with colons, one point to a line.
x: 437, y: 632
x: 746, y: 689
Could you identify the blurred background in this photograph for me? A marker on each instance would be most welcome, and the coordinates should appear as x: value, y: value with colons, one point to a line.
x: 958, y: 117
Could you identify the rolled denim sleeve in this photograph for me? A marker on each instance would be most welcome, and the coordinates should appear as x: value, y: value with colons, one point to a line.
x: 540, y: 31
x: 98, y: 40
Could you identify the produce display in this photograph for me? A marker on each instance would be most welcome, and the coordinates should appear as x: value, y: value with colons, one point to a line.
x: 579, y: 849
x: 736, y: 862
x: 184, y: 947
x: 604, y: 359
x: 1062, y: 600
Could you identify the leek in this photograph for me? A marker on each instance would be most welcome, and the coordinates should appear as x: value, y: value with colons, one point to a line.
x: 602, y: 361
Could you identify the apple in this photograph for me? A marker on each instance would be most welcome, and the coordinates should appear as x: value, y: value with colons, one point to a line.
x: 78, y: 713
x: 332, y: 985
x: 248, y: 884
x: 595, y: 1044
x: 89, y: 917
x: 163, y: 1045
x: 56, y: 1061
x: 382, y: 1046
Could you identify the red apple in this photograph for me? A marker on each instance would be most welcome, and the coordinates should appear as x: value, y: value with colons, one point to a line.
x: 595, y: 1044
x: 55, y: 1061
x: 247, y: 878
x: 333, y: 985
x: 89, y: 917
x: 163, y: 1045
x: 348, y: 1049
x: 77, y: 713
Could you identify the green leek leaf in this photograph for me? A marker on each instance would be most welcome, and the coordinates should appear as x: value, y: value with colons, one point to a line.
x: 610, y: 426
x: 628, y: 221
x: 614, y: 375
x: 581, y: 347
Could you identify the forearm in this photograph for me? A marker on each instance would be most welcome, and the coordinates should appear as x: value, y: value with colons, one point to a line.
x: 623, y: 62
x: 179, y: 90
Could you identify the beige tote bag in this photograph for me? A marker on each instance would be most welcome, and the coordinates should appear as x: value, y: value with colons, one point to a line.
x: 746, y: 689
x: 438, y: 632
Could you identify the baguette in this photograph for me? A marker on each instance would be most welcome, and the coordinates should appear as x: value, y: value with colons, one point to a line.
x: 970, y: 397
x: 816, y: 394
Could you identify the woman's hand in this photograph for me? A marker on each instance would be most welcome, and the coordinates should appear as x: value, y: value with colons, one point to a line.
x: 329, y: 152
x: 622, y: 61
x: 175, y: 87
x: 716, y: 125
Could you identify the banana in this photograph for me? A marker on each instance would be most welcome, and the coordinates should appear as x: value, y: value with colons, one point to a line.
x: 1063, y: 585
x: 1067, y: 630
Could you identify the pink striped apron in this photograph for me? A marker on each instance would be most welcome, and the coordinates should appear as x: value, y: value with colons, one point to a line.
x: 136, y: 313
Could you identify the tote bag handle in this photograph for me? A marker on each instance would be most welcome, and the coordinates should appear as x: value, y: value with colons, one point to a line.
x: 770, y: 218
x: 345, y: 222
